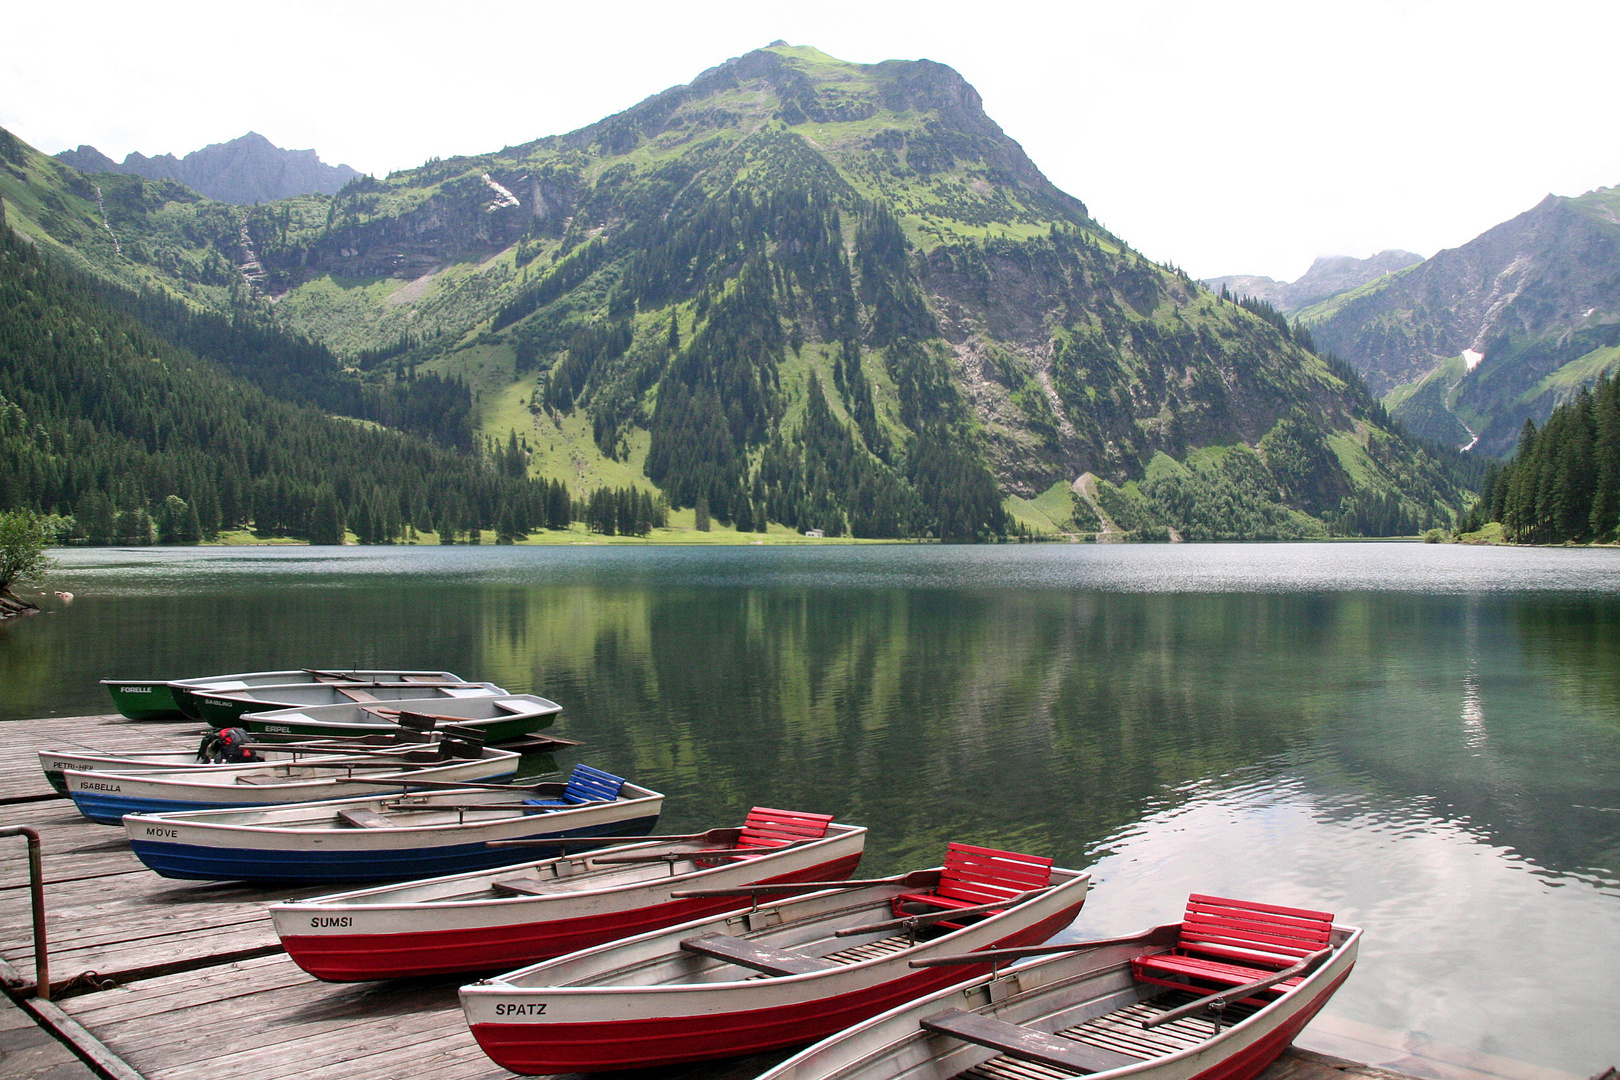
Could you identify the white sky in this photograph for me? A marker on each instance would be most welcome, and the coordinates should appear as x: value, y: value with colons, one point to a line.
x: 1225, y: 137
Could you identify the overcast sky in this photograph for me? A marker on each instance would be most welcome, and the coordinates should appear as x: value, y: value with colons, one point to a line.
x: 1225, y: 137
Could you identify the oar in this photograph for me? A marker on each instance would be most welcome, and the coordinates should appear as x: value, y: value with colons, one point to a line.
x: 911, y: 921
x: 917, y: 879
x: 1146, y: 937
x: 713, y: 836
x: 298, y: 748
x: 676, y: 856
x: 446, y: 785
x: 1219, y: 1001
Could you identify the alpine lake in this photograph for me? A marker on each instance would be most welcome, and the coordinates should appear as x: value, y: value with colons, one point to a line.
x: 1422, y: 739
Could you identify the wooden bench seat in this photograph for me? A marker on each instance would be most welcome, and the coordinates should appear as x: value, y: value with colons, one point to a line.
x: 585, y: 785
x: 364, y: 819
x: 1021, y: 1042
x: 744, y: 953
x: 1226, y: 942
x: 974, y: 876
x: 765, y: 827
x: 518, y: 887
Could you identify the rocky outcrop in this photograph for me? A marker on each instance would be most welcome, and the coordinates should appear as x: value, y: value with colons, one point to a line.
x: 247, y: 170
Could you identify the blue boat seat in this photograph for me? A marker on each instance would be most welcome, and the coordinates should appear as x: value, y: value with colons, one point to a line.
x: 585, y: 785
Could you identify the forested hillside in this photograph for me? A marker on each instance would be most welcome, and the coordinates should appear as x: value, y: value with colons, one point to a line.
x: 104, y: 420
x: 829, y: 295
x: 1563, y: 483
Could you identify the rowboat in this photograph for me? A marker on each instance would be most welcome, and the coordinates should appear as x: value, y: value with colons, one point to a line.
x: 225, y: 709
x: 784, y: 972
x: 495, y: 921
x: 501, y: 719
x: 107, y: 796
x: 385, y: 837
x: 1086, y: 1011
x: 143, y: 699
x: 55, y: 762
x: 182, y: 689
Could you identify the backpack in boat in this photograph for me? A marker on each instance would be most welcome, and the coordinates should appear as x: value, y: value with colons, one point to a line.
x: 227, y: 746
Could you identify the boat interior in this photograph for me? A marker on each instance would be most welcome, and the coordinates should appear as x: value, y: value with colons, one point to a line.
x: 804, y: 934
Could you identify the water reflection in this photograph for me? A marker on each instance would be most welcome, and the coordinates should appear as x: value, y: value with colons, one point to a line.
x: 1358, y: 731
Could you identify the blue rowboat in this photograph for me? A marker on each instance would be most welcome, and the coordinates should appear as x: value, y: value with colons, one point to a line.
x: 385, y: 837
x: 106, y: 797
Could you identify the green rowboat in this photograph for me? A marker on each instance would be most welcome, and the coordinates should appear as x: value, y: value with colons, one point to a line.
x: 143, y: 699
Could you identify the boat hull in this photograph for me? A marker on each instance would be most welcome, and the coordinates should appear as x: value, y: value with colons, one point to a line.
x: 536, y: 1031
x: 198, y: 862
x: 350, y: 942
x: 105, y: 797
x: 143, y: 699
x: 309, y: 843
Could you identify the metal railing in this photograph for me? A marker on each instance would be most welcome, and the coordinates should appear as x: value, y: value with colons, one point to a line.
x: 36, y: 888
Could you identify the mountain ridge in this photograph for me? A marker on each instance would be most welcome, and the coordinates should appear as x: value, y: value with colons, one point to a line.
x: 1477, y: 339
x: 1328, y: 276
x: 247, y: 169
x: 821, y: 293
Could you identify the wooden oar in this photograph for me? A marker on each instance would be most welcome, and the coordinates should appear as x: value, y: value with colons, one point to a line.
x: 676, y: 856
x: 917, y: 879
x: 383, y: 749
x: 713, y: 836
x: 1159, y: 935
x: 448, y: 785
x: 930, y: 919
x: 1223, y: 998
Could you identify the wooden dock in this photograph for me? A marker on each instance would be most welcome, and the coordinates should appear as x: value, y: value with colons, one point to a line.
x: 167, y: 980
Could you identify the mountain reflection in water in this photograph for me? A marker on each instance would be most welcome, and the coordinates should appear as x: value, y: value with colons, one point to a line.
x: 1422, y: 739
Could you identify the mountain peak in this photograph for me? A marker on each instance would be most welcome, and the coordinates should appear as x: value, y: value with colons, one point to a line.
x: 247, y: 169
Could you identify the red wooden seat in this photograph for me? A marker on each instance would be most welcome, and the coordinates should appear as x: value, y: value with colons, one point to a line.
x: 973, y: 876
x: 1232, y: 942
x: 768, y: 828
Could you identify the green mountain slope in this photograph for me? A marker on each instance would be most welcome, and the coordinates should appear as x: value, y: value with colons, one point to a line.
x: 108, y: 422
x: 825, y: 294
x: 1480, y: 338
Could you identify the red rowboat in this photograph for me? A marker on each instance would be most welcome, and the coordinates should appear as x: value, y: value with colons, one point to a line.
x: 1106, y: 1009
x: 778, y: 974
x: 491, y: 921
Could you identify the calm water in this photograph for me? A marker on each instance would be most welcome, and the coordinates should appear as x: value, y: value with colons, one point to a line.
x: 1422, y: 739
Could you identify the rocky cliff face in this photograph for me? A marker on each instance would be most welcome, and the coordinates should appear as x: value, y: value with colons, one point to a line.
x: 1497, y: 330
x: 1328, y: 276
x: 247, y: 170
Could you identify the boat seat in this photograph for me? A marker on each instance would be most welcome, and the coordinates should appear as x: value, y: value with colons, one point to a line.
x: 517, y: 887
x: 744, y: 953
x: 364, y: 819
x: 585, y: 785
x: 974, y: 876
x: 766, y: 829
x: 1226, y: 942
x: 355, y: 694
x: 1024, y: 1043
